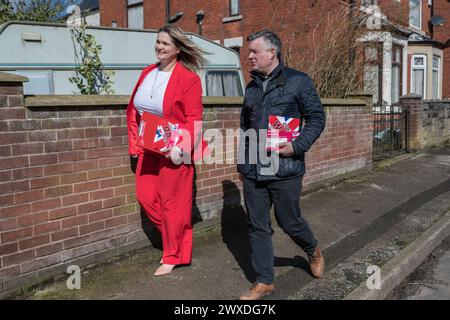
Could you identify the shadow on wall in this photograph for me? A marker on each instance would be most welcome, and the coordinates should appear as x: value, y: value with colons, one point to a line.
x: 235, y: 229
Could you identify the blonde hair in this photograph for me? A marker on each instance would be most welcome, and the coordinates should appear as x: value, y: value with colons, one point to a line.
x: 190, y: 55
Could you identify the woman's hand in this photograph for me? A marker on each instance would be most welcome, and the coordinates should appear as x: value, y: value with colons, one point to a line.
x: 133, y: 162
x: 175, y: 154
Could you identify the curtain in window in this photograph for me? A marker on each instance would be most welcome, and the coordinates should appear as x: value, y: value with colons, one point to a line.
x: 435, y: 84
x: 231, y: 84
x: 136, y: 17
x: 414, y: 13
x: 214, y: 84
x: 234, y: 7
x: 417, y: 81
x: 223, y: 83
x: 395, y: 93
x: 435, y: 79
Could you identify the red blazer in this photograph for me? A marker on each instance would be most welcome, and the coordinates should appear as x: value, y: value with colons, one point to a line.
x: 182, y: 104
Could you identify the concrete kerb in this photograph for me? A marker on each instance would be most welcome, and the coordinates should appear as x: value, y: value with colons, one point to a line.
x: 403, y: 264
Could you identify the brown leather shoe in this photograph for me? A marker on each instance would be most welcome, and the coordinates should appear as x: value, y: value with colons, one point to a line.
x: 317, y: 263
x: 257, y: 291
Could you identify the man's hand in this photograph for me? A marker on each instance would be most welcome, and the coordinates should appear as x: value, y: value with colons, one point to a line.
x: 285, y: 149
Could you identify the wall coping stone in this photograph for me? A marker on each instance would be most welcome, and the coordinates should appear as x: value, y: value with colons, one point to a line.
x: 8, y: 77
x: 122, y: 100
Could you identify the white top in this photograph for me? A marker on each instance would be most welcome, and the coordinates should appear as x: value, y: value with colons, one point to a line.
x: 150, y: 94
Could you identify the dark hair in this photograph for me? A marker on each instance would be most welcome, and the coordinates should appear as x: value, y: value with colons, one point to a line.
x: 190, y: 55
x: 269, y: 37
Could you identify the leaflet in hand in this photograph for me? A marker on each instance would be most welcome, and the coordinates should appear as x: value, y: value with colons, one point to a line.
x: 157, y: 134
x: 281, y: 129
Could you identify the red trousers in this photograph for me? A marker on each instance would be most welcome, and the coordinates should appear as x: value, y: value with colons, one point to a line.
x: 164, y: 191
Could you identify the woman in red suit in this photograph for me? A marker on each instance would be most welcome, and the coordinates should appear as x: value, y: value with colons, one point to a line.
x: 171, y: 89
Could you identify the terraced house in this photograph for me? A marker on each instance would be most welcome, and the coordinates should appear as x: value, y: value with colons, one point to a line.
x: 407, y: 40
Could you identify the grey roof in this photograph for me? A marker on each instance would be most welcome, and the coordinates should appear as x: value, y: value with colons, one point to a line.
x: 416, y: 38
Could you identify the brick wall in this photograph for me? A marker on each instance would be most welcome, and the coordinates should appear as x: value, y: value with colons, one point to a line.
x: 67, y: 191
x: 442, y: 34
x: 344, y: 147
x: 113, y: 10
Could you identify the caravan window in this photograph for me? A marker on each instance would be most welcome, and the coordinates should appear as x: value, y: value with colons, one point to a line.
x: 223, y: 83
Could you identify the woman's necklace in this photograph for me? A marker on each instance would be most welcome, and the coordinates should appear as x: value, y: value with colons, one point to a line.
x: 159, y: 86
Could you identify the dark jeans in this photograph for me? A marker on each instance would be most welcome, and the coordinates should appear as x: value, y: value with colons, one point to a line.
x: 285, y: 195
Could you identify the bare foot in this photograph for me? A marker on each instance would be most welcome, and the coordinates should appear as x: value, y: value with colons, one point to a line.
x: 164, y: 269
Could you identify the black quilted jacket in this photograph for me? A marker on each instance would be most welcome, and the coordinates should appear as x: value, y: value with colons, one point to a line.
x: 289, y: 93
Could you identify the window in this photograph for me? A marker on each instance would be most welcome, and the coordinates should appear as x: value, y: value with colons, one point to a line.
x: 436, y: 77
x: 135, y: 14
x: 415, y: 13
x: 373, y: 71
x: 396, y: 84
x: 234, y: 7
x: 223, y: 84
x: 418, y: 72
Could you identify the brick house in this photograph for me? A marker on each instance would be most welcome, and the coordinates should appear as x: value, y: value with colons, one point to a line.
x: 407, y: 53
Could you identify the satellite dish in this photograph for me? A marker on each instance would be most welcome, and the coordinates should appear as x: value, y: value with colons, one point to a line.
x: 437, y: 20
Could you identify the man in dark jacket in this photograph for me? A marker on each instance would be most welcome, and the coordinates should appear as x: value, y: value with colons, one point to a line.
x: 279, y: 91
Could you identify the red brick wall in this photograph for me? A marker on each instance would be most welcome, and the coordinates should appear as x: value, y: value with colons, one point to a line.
x: 344, y: 147
x: 442, y: 34
x: 67, y: 191
x: 66, y: 187
x: 113, y: 10
x: 395, y: 11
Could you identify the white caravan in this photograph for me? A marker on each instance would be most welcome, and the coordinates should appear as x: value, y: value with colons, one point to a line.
x: 45, y: 54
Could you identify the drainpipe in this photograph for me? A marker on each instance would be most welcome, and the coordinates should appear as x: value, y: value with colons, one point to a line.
x: 167, y: 11
x: 351, y: 55
x: 431, y: 5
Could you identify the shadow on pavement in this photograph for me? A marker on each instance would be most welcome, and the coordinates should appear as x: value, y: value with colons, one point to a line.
x: 297, y: 262
x: 235, y: 230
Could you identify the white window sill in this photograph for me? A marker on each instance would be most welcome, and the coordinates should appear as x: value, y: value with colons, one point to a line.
x: 417, y: 29
x: 232, y: 18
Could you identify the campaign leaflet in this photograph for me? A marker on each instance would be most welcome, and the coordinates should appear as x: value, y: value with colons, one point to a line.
x: 281, y: 129
x: 157, y: 134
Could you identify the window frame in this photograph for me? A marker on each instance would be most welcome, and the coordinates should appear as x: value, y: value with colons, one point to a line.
x: 424, y: 68
x: 438, y: 69
x: 379, y: 62
x: 398, y: 64
x: 139, y: 3
x: 420, y: 15
x: 230, y: 9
